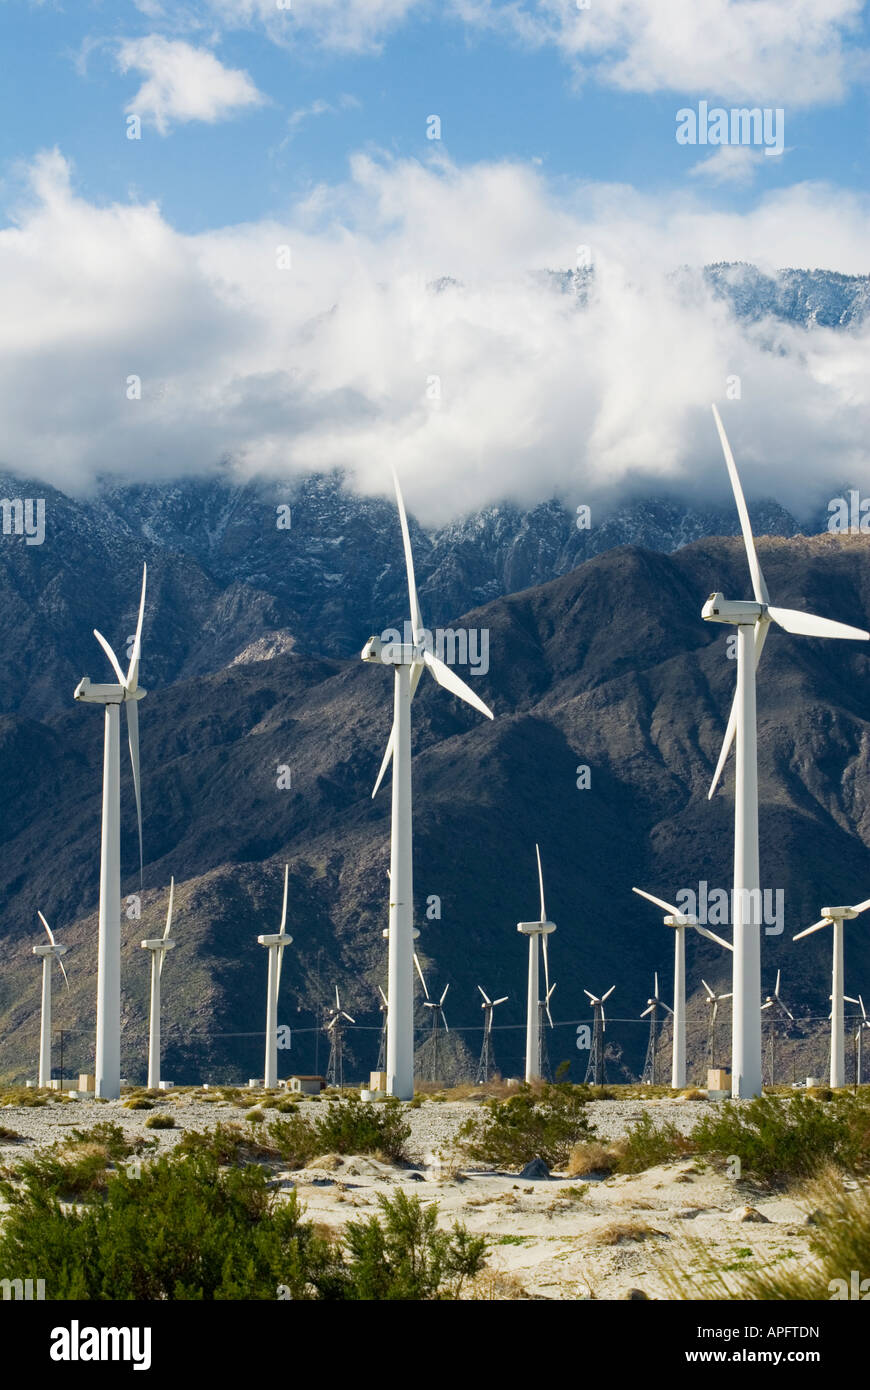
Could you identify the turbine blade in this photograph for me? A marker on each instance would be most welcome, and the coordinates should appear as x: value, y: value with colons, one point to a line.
x: 808, y: 625
x: 63, y: 971
x: 591, y: 996
x: 277, y: 971
x: 486, y: 996
x: 503, y: 1000
x: 710, y: 994
x: 385, y: 761
x: 608, y: 994
x: 47, y: 927
x: 416, y: 616
x: 169, y: 912
x: 546, y: 963
x: 759, y: 588
x: 659, y: 902
x: 861, y: 907
x: 132, y: 681
x: 648, y: 1011
x: 383, y: 996
x: 776, y: 986
x: 420, y: 973
x: 116, y: 665
x: 817, y: 926
x: 729, y: 995
x: 711, y: 936
x: 788, y: 1011
x: 541, y: 883
x: 284, y: 908
x: 656, y: 985
x: 444, y: 995
x: 337, y: 999
x: 666, y: 1006
x: 444, y: 1021
x: 549, y: 1015
x: 343, y: 1014
x: 132, y: 709
x: 760, y: 632
x: 450, y: 681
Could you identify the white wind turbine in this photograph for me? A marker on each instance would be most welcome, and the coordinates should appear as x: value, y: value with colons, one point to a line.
x: 863, y: 1023
x: 774, y: 1001
x: 595, y: 1066
x: 712, y: 1002
x: 275, y: 943
x: 487, y: 1056
x: 752, y: 620
x: 50, y: 953
x: 335, y: 1029
x: 107, y: 1065
x: 408, y: 661
x: 835, y: 917
x: 158, y: 946
x: 652, y: 1010
x: 536, y: 931
x: 439, y: 1020
x: 679, y: 921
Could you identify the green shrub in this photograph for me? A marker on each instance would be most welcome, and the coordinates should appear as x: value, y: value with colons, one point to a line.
x: 543, y: 1122
x: 138, y: 1103
x: 646, y: 1144
x: 255, y: 1116
x: 225, y: 1144
x: 160, y: 1122
x: 406, y: 1256
x: 75, y: 1168
x: 347, y: 1127
x: 777, y: 1140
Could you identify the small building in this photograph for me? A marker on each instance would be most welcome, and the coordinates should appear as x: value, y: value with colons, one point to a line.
x: 306, y: 1085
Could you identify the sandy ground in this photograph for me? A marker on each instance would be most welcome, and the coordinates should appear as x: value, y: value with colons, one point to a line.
x: 556, y: 1238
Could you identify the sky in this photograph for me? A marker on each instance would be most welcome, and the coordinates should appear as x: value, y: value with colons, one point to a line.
x: 272, y: 237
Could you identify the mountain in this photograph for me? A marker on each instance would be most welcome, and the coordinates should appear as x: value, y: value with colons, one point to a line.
x: 608, y: 666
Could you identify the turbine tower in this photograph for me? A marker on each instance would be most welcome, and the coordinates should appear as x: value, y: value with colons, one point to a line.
x: 679, y: 921
x: 50, y: 953
x: 536, y: 931
x: 595, y: 1069
x: 107, y: 1062
x: 835, y: 917
x: 773, y: 1001
x: 335, y: 1029
x: 158, y: 946
x: 752, y: 620
x: 712, y: 1003
x: 652, y: 1008
x: 275, y: 944
x: 408, y: 661
x: 486, y: 1065
x: 438, y: 1022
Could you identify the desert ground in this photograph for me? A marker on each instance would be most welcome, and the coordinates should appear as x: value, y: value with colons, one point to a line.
x: 556, y: 1237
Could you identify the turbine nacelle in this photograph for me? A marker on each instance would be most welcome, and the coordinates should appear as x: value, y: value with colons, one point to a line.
x: 50, y: 950
x: 91, y: 693
x: 719, y: 609
x: 536, y: 928
x: 392, y: 653
x: 157, y: 943
x: 275, y: 939
x: 842, y: 913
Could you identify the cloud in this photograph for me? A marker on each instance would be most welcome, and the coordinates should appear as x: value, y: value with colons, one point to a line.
x: 183, y: 83
x: 352, y: 26
x: 762, y: 51
x: 729, y: 164
x: 326, y: 353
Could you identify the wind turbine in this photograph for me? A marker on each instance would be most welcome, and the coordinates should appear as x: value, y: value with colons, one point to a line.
x: 487, y: 1055
x: 50, y: 953
x: 679, y: 921
x: 859, y: 1040
x: 835, y: 917
x: 712, y: 1002
x: 275, y: 943
x: 536, y: 931
x: 595, y: 1067
x: 439, y: 1021
x: 335, y: 1029
x: 158, y: 946
x: 652, y: 1008
x: 752, y: 620
x: 382, y: 1050
x: 774, y: 1001
x: 107, y: 1065
x: 408, y: 661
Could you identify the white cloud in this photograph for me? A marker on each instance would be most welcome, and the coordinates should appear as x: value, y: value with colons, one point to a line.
x: 729, y: 164
x: 765, y: 52
x: 327, y: 363
x: 183, y: 83
x: 351, y: 26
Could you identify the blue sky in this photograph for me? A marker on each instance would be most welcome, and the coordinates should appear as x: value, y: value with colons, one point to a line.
x: 156, y: 258
x: 497, y: 95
